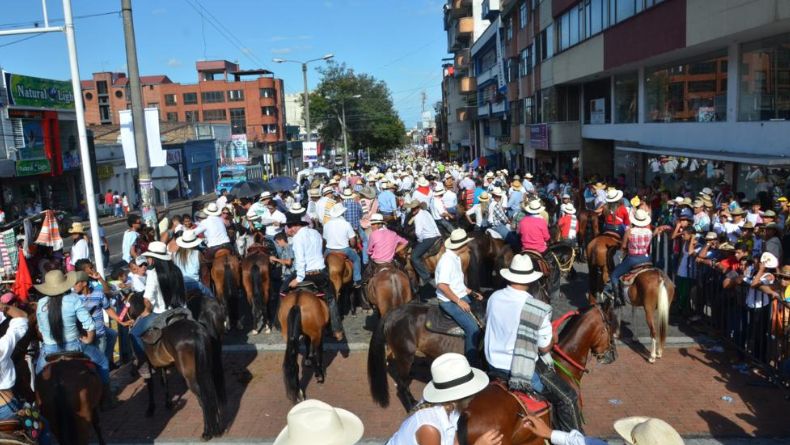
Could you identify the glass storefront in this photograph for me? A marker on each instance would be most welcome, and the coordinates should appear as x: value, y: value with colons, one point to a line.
x: 761, y: 182
x: 626, y: 88
x: 765, y: 80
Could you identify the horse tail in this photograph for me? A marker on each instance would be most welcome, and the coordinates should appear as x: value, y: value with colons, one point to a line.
x: 377, y: 367
x: 227, y: 282
x: 65, y: 419
x: 290, y: 365
x: 663, y: 311
x: 462, y: 432
x: 397, y: 298
x: 258, y: 306
x: 206, y: 370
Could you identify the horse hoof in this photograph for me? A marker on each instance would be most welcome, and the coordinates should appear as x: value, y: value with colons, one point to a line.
x: 254, y: 332
x: 267, y: 330
x: 205, y: 437
x: 320, y: 379
x: 651, y: 360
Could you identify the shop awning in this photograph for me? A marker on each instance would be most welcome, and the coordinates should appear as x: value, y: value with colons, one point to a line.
x: 742, y: 158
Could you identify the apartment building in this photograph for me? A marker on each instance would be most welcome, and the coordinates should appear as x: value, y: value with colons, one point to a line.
x: 252, y: 102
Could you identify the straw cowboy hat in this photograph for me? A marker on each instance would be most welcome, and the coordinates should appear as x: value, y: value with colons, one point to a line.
x: 77, y: 228
x: 484, y: 197
x: 711, y: 236
x: 266, y: 195
x: 528, y: 176
x: 327, y: 190
x: 453, y: 379
x: 640, y: 218
x: 188, y: 240
x: 521, y: 271
x: 458, y: 238
x: 497, y: 191
x: 769, y: 260
x: 515, y: 185
x: 783, y: 273
x: 439, y: 190
x: 347, y: 194
x: 422, y: 182
x: 337, y: 210
x: 737, y: 212
x: 726, y: 247
x: 647, y: 431
x: 568, y: 208
x: 599, y: 186
x: 314, y: 193
x: 534, y: 207
x: 377, y: 218
x: 297, y: 209
x: 56, y: 283
x: 414, y: 203
x: 614, y: 195
x: 314, y: 422
x: 367, y: 192
x: 212, y: 209
x: 158, y: 249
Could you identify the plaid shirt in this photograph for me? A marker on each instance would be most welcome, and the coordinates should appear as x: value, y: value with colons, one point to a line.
x: 497, y: 214
x: 639, y: 241
x: 353, y: 213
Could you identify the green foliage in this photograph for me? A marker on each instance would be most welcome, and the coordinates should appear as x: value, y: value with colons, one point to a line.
x: 371, y: 118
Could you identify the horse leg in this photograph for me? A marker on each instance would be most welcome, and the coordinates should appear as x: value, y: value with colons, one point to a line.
x: 651, y: 326
x: 149, y: 412
x: 97, y: 426
x: 402, y: 381
x: 168, y: 401
x: 318, y: 350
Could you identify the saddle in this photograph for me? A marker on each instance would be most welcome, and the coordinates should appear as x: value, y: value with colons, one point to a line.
x: 611, y: 234
x: 341, y: 253
x: 66, y: 356
x: 530, y: 403
x: 435, y: 248
x: 437, y: 320
x: 163, y: 320
x: 493, y: 234
x: 628, y: 279
x: 539, y: 261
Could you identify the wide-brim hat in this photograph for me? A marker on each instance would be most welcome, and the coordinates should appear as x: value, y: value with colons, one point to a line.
x: 266, y: 195
x: 77, y: 227
x: 599, y: 186
x: 212, y: 209
x: 414, y: 203
x: 458, y: 238
x: 314, y: 422
x: 314, y: 193
x: 387, y: 185
x: 157, y: 249
x: 568, y: 208
x: 497, y: 191
x: 164, y: 224
x: 521, y: 271
x: 769, y: 214
x: 188, y: 240
x: 367, y: 192
x: 640, y: 218
x: 347, y: 194
x: 439, y: 190
x: 377, y: 218
x: 515, y: 185
x: 647, y: 431
x: 534, y: 207
x: 56, y: 283
x: 711, y: 236
x: 489, y: 175
x: 297, y: 209
x: 327, y: 190
x: 726, y: 247
x: 528, y: 176
x: 337, y: 210
x: 484, y: 197
x: 769, y: 260
x: 453, y: 379
x: 737, y: 212
x: 292, y: 219
x: 422, y: 182
x: 614, y: 196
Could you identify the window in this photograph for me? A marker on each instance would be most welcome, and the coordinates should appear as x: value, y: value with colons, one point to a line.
x: 597, y: 97
x: 101, y: 87
x: 523, y: 11
x: 625, y: 9
x: 764, y: 83
x: 214, y: 115
x: 170, y: 99
x: 153, y: 105
x: 269, y: 111
x: 267, y: 92
x: 687, y: 92
x: 529, y: 110
x: 212, y: 97
x: 573, y: 26
x: 238, y: 121
x: 625, y: 98
x: 596, y: 17
x: 523, y: 62
x: 509, y: 29
x: 172, y: 116
x: 190, y: 98
x: 269, y: 128
x: 118, y: 94
x: 546, y: 40
x: 235, y: 95
x: 191, y: 116
x: 104, y: 114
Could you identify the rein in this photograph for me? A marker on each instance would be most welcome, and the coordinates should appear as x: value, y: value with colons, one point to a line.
x: 565, y: 268
x: 556, y: 325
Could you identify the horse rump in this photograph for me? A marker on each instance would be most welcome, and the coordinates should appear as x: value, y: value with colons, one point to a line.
x: 290, y: 363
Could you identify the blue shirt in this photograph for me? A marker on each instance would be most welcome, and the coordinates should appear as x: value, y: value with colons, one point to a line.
x: 129, y: 238
x: 387, y: 202
x: 353, y: 212
x: 73, y: 312
x: 94, y: 303
x: 515, y: 201
x: 476, y: 197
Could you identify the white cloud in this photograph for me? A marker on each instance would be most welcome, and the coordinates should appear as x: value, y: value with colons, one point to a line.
x: 281, y: 38
x: 281, y: 50
x: 173, y: 62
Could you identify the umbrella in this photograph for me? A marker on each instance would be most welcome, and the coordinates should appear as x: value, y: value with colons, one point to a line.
x: 246, y: 189
x: 281, y: 183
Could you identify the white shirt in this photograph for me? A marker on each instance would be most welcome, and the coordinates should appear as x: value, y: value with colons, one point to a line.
x: 425, y: 226
x: 273, y: 221
x: 528, y: 187
x: 308, y: 253
x: 450, y: 271
x: 450, y: 199
x: 573, y: 438
x: 17, y: 328
x: 437, y: 207
x: 138, y: 282
x: 435, y: 416
x: 503, y: 316
x: 79, y: 251
x: 153, y: 292
x: 215, y: 232
x: 421, y: 197
x: 477, y: 212
x: 337, y: 233
x: 222, y: 201
x: 320, y: 208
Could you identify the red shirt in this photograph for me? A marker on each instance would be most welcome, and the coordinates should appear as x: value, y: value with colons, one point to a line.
x: 534, y: 232
x: 108, y: 198
x: 565, y: 225
x: 620, y: 216
x: 730, y: 263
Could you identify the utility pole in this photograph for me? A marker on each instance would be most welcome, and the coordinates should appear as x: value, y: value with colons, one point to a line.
x: 306, y: 103
x: 138, y: 117
x: 345, y: 135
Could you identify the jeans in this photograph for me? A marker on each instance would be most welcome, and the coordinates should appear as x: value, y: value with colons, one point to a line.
x: 416, y: 257
x: 106, y: 343
x: 91, y: 351
x: 354, y: 257
x: 137, y: 331
x: 444, y: 225
x: 618, y: 229
x: 470, y: 327
x: 363, y: 235
x: 191, y: 284
x: 503, y: 374
x: 502, y: 230
x: 623, y: 268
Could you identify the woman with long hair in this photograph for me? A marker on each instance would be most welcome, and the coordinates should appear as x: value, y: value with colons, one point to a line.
x: 187, y: 259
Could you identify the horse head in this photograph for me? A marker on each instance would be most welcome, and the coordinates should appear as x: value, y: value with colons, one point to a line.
x: 605, y: 332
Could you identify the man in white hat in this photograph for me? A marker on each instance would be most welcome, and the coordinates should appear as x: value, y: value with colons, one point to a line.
x: 216, y: 234
x: 634, y: 431
x: 79, y: 248
x: 529, y: 187
x: 272, y: 219
x: 453, y: 295
x: 438, y: 211
x: 568, y: 224
x: 423, y: 191
x: 426, y: 232
x: 316, y: 422
x: 341, y: 237
x: 383, y: 243
x: 327, y: 197
x: 258, y: 208
x: 388, y: 204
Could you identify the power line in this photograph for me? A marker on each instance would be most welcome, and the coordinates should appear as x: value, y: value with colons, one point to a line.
x: 36, y: 23
x: 13, y: 42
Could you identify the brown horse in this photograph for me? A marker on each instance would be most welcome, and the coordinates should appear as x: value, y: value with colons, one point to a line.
x: 69, y: 392
x: 187, y: 345
x: 302, y: 314
x: 654, y: 291
x: 600, y: 260
x: 341, y: 272
x: 388, y: 288
x: 257, y: 283
x: 226, y: 277
x: 588, y: 228
x: 489, y: 255
x: 590, y: 331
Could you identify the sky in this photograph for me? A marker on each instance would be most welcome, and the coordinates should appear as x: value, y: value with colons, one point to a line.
x: 401, y: 42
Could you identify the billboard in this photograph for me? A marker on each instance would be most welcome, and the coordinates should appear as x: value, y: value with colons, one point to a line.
x: 156, y: 154
x: 240, y: 152
x: 309, y: 151
x: 35, y: 92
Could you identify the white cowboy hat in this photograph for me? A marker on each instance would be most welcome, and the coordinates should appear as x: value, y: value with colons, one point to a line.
x: 439, y: 190
x: 314, y: 193
x: 327, y: 190
x: 458, y: 238
x: 568, y: 208
x: 647, y: 431
x: 453, y: 379
x: 347, y: 194
x: 614, y: 195
x: 164, y: 224
x: 377, y: 218
x: 497, y: 191
x: 769, y: 260
x: 337, y: 210
x: 422, y: 182
x: 640, y: 218
x: 706, y: 191
x: 297, y: 209
x: 528, y: 176
x: 387, y: 185
x: 158, y: 249
x: 534, y: 207
x: 566, y: 196
x: 711, y: 236
x: 56, y: 283
x: 77, y: 228
x: 212, y: 209
x: 266, y: 195
x: 313, y: 422
x: 188, y: 240
x: 521, y: 271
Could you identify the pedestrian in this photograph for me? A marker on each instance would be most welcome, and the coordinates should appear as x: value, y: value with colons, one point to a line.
x: 125, y: 204
x: 135, y: 223
x: 79, y: 248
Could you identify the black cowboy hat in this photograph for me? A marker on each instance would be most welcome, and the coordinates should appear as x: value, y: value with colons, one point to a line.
x: 293, y: 219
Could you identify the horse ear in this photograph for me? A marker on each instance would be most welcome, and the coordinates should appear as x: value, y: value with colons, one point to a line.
x: 591, y: 299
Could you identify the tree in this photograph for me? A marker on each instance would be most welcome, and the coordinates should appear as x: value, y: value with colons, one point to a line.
x: 371, y: 120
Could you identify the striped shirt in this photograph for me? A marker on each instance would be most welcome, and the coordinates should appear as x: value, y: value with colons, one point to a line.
x: 639, y: 241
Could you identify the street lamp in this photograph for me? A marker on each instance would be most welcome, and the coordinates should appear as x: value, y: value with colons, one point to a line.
x: 343, y: 125
x: 306, y: 94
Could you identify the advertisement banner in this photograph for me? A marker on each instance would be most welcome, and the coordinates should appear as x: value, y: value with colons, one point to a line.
x: 598, y: 111
x: 539, y: 136
x: 156, y: 154
x: 240, y: 153
x: 309, y: 151
x: 35, y: 92
x: 32, y: 167
x: 34, y: 147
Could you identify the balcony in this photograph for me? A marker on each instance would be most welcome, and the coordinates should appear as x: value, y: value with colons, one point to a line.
x: 466, y: 26
x: 490, y: 9
x: 462, y: 59
x: 467, y: 85
x: 466, y: 114
x: 460, y: 8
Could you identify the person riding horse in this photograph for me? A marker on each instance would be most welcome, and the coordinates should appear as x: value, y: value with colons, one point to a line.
x: 533, y: 229
x: 187, y: 258
x: 340, y: 237
x: 636, y: 240
x: 519, y: 341
x: 426, y: 232
x: 568, y: 224
x: 216, y: 235
x: 383, y: 245
x: 616, y: 217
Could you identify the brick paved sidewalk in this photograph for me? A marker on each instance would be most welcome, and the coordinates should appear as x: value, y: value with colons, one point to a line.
x: 685, y: 388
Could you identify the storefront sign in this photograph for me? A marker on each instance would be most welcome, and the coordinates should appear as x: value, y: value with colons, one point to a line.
x: 31, y: 167
x: 598, y: 111
x: 71, y: 160
x: 26, y: 91
x: 34, y: 147
x: 173, y: 156
x: 105, y: 171
x: 539, y: 136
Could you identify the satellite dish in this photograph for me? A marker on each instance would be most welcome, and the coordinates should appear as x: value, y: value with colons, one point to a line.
x: 165, y: 178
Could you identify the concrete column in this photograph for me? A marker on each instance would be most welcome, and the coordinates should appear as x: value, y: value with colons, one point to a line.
x: 733, y: 62
x: 641, y: 96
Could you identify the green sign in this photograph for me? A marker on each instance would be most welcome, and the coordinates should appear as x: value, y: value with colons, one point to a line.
x: 32, y: 167
x: 25, y: 91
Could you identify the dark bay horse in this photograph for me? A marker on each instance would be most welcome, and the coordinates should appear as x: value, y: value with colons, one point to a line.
x: 187, y: 345
x: 226, y: 277
x: 388, y: 288
x: 600, y: 260
x: 489, y: 255
x: 257, y: 284
x: 302, y: 315
x: 588, y: 228
x: 590, y: 331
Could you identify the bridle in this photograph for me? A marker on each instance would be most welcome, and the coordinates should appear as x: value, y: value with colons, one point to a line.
x: 598, y: 356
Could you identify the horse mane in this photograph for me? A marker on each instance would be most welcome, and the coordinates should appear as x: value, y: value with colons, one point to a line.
x: 574, y: 321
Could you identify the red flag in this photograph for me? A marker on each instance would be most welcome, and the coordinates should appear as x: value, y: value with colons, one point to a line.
x: 23, y: 282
